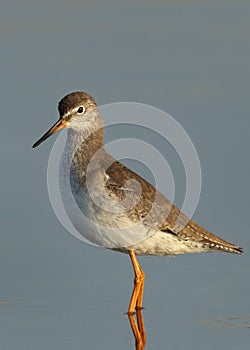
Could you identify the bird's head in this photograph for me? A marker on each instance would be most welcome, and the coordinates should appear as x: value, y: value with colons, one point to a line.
x: 75, y: 110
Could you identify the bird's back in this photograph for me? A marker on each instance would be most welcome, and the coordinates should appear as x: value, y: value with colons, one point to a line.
x: 154, y: 210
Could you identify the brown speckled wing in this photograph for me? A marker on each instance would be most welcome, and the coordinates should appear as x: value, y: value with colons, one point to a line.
x: 156, y: 211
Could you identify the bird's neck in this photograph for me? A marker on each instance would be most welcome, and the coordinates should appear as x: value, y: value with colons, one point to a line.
x: 83, y: 141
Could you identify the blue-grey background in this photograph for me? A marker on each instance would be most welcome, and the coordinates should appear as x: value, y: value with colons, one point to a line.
x: 189, y: 58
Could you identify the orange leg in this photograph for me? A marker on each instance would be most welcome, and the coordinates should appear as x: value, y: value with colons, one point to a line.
x: 140, y: 295
x: 137, y: 295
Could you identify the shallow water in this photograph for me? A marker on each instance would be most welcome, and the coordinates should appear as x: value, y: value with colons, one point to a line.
x: 187, y: 301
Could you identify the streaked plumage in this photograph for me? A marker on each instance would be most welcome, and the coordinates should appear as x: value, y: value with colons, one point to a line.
x: 161, y: 227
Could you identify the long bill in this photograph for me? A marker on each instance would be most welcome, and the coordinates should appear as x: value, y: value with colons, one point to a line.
x: 60, y: 124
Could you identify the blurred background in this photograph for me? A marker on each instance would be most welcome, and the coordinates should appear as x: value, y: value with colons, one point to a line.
x: 188, y: 58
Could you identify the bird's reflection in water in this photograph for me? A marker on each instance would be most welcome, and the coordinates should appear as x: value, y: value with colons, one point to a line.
x: 137, y: 325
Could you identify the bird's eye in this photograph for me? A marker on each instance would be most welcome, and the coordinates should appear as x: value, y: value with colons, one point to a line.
x: 81, y: 110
